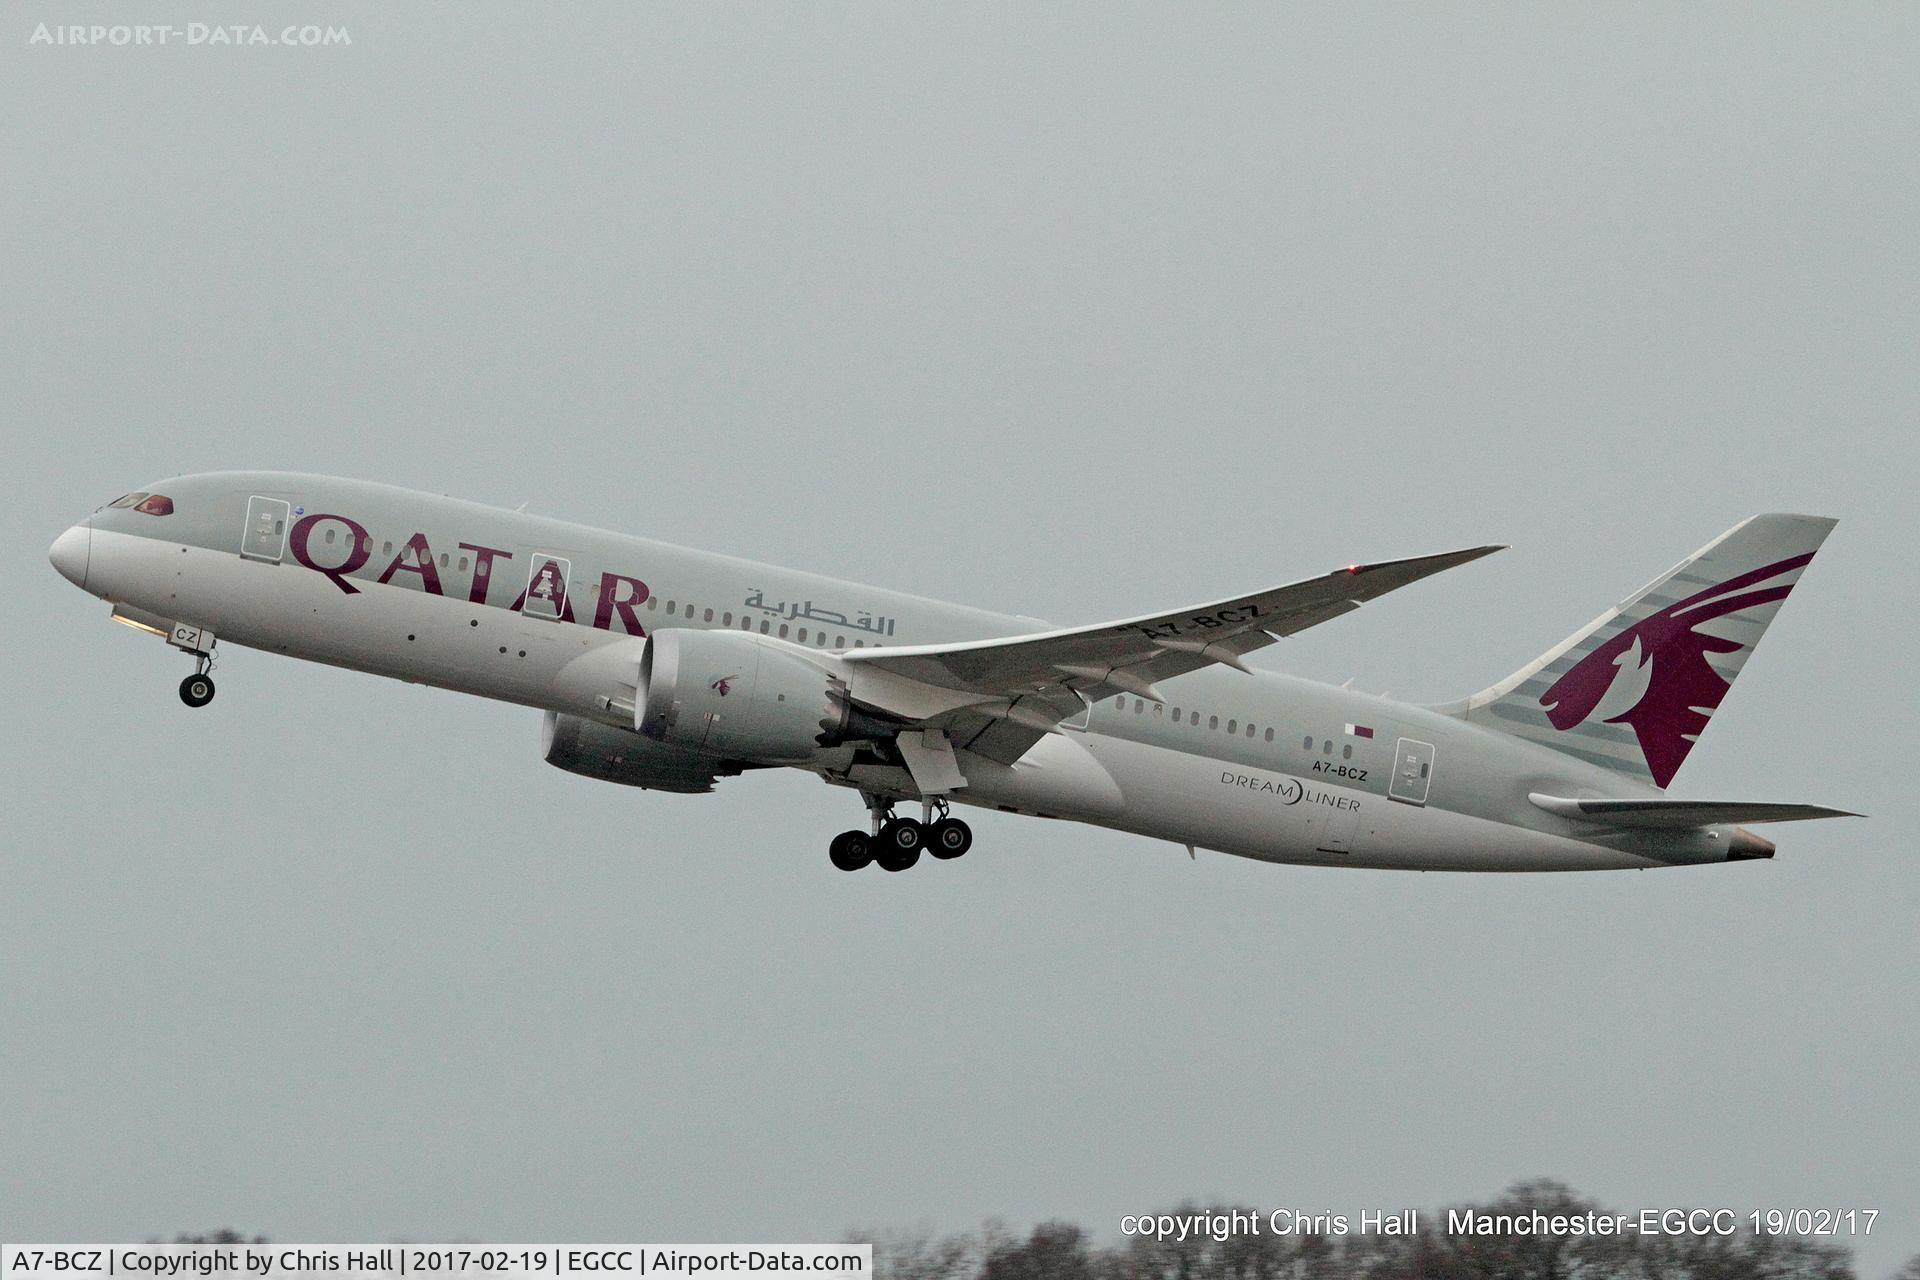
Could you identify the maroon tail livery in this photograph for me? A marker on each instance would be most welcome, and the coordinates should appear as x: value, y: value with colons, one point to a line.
x: 1635, y: 690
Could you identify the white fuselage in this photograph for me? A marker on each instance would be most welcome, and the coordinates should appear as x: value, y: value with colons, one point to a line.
x: 1262, y: 765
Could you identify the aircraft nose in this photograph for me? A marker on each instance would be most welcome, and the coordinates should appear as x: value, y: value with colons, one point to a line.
x: 70, y: 552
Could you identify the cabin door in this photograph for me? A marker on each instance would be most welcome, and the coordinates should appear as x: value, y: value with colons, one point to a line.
x: 265, y: 535
x: 1412, y: 771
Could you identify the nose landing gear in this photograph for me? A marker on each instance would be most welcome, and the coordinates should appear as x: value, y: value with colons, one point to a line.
x: 895, y: 843
x: 197, y: 689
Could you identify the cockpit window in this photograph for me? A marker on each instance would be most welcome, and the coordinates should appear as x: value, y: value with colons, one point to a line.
x: 152, y: 504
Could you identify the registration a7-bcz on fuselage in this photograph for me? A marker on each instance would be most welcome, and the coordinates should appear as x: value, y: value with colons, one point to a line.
x: 668, y: 668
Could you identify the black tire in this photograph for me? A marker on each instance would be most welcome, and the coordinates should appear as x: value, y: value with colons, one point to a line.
x: 949, y: 838
x: 851, y: 850
x: 900, y: 843
x: 196, y: 690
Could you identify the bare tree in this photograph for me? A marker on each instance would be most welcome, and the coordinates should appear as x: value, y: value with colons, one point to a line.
x: 919, y: 1253
x: 1053, y: 1251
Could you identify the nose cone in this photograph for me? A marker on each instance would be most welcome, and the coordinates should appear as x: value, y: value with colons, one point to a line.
x: 69, y: 554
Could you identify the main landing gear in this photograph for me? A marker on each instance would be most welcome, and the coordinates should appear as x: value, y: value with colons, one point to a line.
x: 895, y: 843
x: 197, y: 689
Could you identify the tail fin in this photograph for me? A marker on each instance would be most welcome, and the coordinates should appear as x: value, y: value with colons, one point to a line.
x: 1634, y: 690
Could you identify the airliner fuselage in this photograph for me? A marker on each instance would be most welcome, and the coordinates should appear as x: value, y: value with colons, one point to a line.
x: 525, y: 609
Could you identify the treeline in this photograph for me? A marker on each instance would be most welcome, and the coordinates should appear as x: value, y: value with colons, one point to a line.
x: 1063, y: 1251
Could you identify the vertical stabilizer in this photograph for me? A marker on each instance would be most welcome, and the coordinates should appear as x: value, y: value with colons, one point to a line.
x: 1634, y: 690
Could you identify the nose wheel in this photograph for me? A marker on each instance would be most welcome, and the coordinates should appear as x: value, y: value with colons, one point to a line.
x: 197, y: 689
x: 895, y: 843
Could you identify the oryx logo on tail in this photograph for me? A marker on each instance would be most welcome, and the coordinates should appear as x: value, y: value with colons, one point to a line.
x: 1655, y: 675
x: 1634, y: 688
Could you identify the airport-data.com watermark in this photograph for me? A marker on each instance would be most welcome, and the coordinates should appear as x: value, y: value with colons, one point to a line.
x: 187, y: 35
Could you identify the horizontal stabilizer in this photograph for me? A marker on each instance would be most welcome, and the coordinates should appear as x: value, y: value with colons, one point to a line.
x: 1670, y: 815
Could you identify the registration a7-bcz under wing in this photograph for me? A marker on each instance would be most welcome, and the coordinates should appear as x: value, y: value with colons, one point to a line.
x: 668, y: 668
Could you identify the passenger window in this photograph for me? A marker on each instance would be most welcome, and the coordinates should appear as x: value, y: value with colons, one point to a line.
x: 443, y: 559
x: 708, y: 617
x: 386, y: 548
x: 330, y: 533
x: 820, y: 640
x: 839, y: 642
x: 689, y: 611
x: 859, y: 644
x: 803, y: 635
x: 1306, y: 744
x: 652, y: 604
x: 1158, y: 711
x: 366, y: 544
x: 1193, y: 717
x: 671, y: 607
x: 1138, y: 706
x: 1326, y: 748
x: 1233, y: 726
x: 1269, y: 735
x: 463, y: 564
x: 763, y: 626
x: 1249, y: 728
x: 1346, y: 752
x: 783, y: 631
x: 726, y: 619
x: 1213, y: 722
x: 1176, y: 715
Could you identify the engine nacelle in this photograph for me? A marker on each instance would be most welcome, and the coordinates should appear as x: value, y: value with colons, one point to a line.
x: 741, y: 696
x: 611, y: 754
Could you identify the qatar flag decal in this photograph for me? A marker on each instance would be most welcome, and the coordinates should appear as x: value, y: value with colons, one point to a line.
x: 1359, y: 731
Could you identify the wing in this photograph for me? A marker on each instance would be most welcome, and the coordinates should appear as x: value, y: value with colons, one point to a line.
x: 1020, y: 687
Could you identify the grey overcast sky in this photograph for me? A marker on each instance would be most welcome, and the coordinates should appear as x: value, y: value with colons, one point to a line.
x: 1074, y: 310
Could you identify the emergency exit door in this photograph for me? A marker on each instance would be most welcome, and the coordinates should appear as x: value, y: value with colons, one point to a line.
x: 1412, y: 771
x: 265, y: 537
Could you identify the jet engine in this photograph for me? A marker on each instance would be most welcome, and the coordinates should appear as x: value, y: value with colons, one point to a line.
x: 613, y: 754
x: 745, y: 697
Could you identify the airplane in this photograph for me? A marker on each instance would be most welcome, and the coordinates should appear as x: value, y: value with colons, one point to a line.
x: 667, y: 668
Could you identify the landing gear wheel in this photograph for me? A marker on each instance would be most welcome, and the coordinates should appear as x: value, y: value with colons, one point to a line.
x: 900, y: 841
x: 851, y: 850
x: 949, y: 838
x: 197, y: 690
